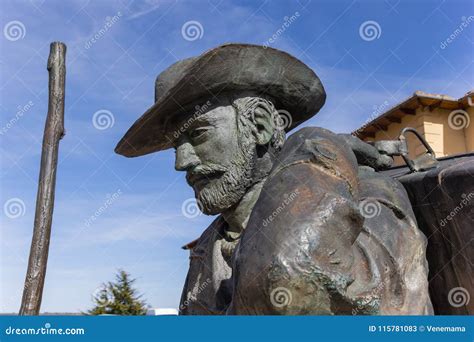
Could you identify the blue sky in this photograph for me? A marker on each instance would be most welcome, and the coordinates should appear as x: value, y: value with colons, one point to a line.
x: 136, y: 204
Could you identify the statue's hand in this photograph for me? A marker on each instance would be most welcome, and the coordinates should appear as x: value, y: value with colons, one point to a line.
x: 367, y: 154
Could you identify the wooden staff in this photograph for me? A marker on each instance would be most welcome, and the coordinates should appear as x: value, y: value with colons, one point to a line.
x: 53, y: 132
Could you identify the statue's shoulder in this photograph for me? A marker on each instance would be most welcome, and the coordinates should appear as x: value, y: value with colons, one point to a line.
x: 323, y: 149
x: 317, y: 144
x: 313, y: 132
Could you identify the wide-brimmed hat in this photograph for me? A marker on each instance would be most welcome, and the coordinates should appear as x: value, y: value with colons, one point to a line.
x: 232, y: 68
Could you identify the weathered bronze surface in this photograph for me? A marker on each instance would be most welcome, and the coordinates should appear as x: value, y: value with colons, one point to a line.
x: 306, y: 225
x: 53, y: 132
x: 322, y: 256
x: 443, y: 202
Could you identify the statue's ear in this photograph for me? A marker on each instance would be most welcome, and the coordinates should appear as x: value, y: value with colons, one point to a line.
x: 264, y: 126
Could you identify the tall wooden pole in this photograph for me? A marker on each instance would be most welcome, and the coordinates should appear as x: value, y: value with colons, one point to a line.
x: 53, y: 132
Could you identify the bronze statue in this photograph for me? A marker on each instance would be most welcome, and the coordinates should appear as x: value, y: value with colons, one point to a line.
x: 306, y: 225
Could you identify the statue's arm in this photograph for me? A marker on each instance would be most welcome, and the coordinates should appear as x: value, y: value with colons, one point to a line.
x: 367, y: 154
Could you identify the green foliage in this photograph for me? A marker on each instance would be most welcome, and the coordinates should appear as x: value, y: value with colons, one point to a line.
x: 118, y: 298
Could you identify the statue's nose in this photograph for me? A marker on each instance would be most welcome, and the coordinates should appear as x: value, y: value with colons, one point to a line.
x: 186, y: 157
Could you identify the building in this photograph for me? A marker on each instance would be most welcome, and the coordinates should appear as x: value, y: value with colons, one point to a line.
x: 443, y: 121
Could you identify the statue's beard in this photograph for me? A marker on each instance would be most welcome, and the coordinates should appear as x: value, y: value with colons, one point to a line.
x: 221, y: 193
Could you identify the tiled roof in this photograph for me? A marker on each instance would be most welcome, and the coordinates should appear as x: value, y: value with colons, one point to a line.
x: 409, y: 106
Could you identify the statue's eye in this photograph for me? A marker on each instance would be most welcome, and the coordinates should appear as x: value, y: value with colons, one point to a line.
x: 197, y: 133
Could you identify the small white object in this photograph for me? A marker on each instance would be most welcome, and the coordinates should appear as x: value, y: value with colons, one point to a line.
x: 162, y: 312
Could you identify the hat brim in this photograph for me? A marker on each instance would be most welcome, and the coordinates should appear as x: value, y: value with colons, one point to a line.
x: 291, y: 84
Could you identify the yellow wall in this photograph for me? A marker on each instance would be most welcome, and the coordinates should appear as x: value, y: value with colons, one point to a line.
x: 442, y: 137
x: 469, y: 131
x: 434, y: 126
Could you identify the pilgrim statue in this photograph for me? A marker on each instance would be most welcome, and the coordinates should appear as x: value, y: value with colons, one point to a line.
x: 305, y: 224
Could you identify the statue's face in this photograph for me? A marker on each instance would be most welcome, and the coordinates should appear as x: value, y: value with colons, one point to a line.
x: 217, y: 153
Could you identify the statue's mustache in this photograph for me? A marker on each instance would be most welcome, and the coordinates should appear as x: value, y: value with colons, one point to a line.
x: 205, y: 171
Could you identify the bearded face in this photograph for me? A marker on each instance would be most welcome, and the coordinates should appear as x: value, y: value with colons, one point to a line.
x: 218, y: 152
x: 218, y: 187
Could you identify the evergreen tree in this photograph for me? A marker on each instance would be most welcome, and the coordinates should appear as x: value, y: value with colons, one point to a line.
x: 118, y: 298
